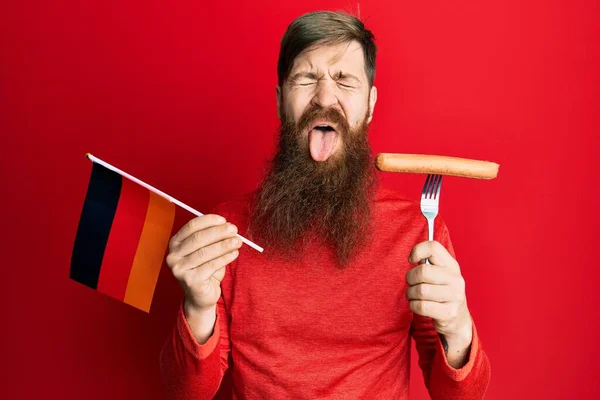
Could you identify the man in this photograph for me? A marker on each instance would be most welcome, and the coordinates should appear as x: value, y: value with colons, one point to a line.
x: 328, y: 311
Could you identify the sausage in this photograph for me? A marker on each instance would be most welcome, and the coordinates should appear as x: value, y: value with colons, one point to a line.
x: 433, y: 164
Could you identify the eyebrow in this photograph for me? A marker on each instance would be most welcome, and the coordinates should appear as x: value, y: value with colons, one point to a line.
x: 309, y: 75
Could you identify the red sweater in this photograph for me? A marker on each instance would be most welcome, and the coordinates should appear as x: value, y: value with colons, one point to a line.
x: 308, y: 330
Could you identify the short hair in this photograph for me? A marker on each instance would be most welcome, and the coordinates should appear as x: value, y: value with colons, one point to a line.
x: 326, y: 28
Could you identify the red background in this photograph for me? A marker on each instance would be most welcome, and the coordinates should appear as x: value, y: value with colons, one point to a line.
x: 182, y: 95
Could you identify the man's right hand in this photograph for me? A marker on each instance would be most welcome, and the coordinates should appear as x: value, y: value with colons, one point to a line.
x: 198, y: 255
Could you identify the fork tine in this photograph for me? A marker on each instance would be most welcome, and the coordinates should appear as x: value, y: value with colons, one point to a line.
x: 426, y: 187
x: 432, y: 185
x: 439, y: 187
x: 431, y: 190
x: 430, y: 200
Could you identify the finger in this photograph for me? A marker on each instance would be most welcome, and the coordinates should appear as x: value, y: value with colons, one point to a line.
x: 428, y: 273
x: 208, y: 253
x: 194, y: 225
x: 219, y: 274
x: 206, y: 237
x: 206, y: 270
x: 435, y: 252
x: 426, y: 291
x: 431, y: 309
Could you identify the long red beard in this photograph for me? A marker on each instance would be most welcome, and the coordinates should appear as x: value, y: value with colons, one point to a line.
x: 302, y: 200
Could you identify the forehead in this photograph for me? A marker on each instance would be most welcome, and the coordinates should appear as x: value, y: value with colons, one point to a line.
x: 348, y: 57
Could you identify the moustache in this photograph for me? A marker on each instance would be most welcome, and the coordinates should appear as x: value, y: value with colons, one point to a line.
x: 331, y: 115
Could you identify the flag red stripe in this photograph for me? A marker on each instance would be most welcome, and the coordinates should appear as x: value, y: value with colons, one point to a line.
x: 123, y: 240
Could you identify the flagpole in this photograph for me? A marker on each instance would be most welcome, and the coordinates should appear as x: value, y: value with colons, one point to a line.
x: 162, y: 194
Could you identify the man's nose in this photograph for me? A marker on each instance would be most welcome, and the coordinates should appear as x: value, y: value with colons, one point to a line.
x: 325, y: 95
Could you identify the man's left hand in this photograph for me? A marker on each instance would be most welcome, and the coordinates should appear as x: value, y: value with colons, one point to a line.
x: 437, y: 291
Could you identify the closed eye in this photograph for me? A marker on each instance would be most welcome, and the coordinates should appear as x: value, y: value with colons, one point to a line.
x: 346, y: 80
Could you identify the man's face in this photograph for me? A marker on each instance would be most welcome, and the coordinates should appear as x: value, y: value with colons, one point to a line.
x: 322, y: 177
x: 331, y: 79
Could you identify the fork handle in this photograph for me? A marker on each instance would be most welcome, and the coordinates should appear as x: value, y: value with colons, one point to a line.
x: 430, y: 228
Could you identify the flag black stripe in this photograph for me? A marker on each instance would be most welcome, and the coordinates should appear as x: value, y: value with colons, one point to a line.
x: 96, y: 220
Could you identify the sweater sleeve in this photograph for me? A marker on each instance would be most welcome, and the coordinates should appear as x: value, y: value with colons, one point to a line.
x: 442, y: 380
x: 191, y: 370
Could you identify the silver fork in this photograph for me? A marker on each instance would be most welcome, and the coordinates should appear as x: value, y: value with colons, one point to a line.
x: 430, y: 201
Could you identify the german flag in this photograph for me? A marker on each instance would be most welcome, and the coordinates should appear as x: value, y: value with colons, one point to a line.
x: 122, y: 238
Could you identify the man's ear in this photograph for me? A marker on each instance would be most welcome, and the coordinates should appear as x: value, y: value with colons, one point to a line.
x: 278, y: 93
x: 372, y: 101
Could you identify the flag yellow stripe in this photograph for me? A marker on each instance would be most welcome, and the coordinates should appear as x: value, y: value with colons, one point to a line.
x: 150, y: 252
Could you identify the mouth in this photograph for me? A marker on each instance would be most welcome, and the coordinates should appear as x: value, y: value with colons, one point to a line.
x: 322, y: 140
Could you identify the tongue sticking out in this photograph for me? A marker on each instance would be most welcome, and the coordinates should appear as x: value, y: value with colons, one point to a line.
x: 322, y: 143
